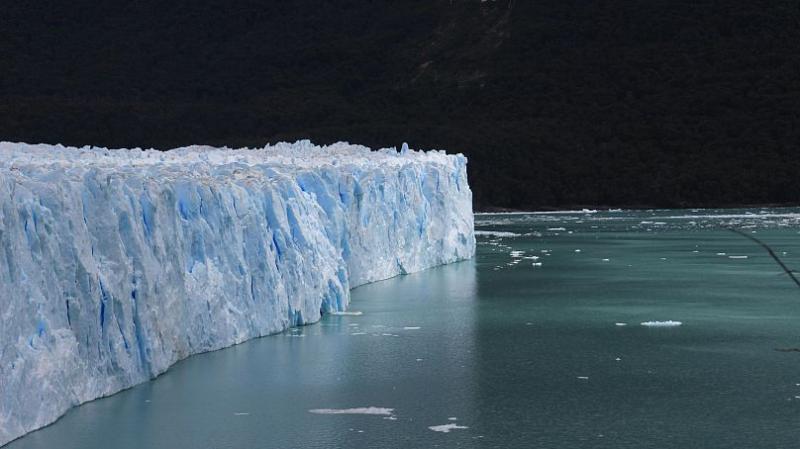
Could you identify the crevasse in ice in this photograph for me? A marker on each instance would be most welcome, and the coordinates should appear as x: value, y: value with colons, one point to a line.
x: 115, y: 264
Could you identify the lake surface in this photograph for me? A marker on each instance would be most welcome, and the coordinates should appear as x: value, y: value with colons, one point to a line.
x: 522, y: 354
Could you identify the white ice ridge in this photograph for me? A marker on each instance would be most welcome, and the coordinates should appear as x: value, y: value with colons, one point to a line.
x: 115, y: 264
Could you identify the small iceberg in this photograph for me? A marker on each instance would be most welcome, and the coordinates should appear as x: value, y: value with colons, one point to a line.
x: 668, y: 323
x: 382, y: 411
x: 446, y: 428
x: 496, y: 234
x: 353, y: 313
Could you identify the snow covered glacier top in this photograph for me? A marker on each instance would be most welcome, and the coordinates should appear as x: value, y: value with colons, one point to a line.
x: 114, y: 264
x: 291, y: 156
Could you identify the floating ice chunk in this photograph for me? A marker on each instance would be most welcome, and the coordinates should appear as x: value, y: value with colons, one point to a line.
x: 620, y: 324
x: 606, y: 260
x: 353, y: 313
x: 411, y: 328
x: 668, y: 323
x: 358, y: 333
x: 737, y: 257
x: 721, y: 254
x: 517, y: 253
x: 577, y: 250
x: 241, y: 414
x: 452, y: 418
x: 496, y: 234
x: 557, y: 229
x: 384, y: 411
x: 446, y: 428
x: 536, y: 264
x: 583, y: 377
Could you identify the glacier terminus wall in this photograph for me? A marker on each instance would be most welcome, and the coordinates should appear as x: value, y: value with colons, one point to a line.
x: 115, y: 264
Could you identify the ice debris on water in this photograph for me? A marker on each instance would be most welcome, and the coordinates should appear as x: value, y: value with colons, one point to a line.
x: 446, y: 428
x: 668, y: 323
x: 381, y: 411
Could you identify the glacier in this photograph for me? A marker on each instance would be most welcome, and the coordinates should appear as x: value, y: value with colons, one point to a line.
x: 115, y: 264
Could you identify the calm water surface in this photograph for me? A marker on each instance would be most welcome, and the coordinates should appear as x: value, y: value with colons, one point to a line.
x: 524, y: 355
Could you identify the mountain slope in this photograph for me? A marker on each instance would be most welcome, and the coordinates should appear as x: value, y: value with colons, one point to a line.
x: 556, y: 103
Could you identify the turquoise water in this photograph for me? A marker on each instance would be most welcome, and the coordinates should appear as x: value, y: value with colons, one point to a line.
x: 522, y: 355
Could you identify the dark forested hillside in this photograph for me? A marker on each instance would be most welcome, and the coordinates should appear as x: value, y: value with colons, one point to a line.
x: 557, y: 103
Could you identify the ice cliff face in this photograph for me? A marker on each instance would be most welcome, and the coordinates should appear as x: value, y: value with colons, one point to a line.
x: 115, y: 264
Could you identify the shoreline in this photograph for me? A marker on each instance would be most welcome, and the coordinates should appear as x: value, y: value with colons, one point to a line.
x: 605, y: 208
